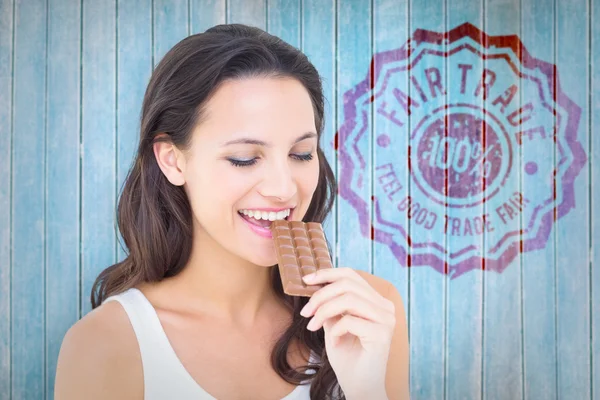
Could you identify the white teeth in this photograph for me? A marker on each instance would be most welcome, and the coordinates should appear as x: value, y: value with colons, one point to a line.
x: 281, y: 214
x: 266, y: 215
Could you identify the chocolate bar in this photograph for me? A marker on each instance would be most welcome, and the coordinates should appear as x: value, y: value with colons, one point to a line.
x: 301, y: 250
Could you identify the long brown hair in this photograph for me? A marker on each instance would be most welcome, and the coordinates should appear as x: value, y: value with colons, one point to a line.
x: 154, y: 216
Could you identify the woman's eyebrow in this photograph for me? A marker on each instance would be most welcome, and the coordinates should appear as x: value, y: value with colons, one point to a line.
x: 246, y: 140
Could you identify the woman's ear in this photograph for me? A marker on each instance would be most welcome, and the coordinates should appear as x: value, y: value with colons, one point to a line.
x: 171, y: 162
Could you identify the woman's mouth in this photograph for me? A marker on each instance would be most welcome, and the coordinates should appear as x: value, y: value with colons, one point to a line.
x: 260, y: 221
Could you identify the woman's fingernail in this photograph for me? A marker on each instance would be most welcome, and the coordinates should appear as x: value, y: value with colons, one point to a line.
x: 309, y: 277
x: 311, y: 325
x: 304, y: 311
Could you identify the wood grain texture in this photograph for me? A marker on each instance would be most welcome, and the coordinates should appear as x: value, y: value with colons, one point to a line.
x: 206, y: 13
x: 594, y: 206
x: 171, y: 23
x: 539, y: 285
x: 391, y: 29
x: 6, y: 126
x: 98, y: 107
x: 249, y: 12
x: 502, y: 329
x: 464, y: 310
x: 573, y: 233
x: 74, y: 70
x: 28, y: 209
x: 428, y: 287
x: 284, y: 20
x: 62, y: 178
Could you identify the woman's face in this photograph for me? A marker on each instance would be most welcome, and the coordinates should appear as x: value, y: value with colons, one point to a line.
x: 253, y: 158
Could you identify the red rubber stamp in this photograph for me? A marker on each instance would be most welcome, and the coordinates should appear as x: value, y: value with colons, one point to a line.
x: 475, y: 143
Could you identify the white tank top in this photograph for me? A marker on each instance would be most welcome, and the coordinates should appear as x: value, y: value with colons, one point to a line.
x: 165, y: 377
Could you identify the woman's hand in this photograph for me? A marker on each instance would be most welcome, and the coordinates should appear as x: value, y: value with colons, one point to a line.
x: 359, y: 325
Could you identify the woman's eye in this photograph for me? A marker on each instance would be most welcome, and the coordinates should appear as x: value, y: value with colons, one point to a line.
x: 303, y: 157
x: 242, y: 163
x: 247, y: 163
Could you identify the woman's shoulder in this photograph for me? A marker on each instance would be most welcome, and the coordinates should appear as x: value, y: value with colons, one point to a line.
x: 99, y: 355
x: 381, y: 285
x: 386, y: 289
x: 102, y: 325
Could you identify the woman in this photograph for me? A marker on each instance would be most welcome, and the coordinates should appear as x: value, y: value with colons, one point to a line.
x: 230, y: 132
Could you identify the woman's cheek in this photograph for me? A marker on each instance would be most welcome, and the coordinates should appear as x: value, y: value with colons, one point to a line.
x: 234, y: 183
x: 312, y: 179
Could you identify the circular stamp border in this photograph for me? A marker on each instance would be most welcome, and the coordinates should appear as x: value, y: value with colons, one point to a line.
x: 347, y: 168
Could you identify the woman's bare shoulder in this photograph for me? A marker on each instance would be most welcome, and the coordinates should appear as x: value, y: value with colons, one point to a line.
x: 99, y: 357
x: 381, y: 285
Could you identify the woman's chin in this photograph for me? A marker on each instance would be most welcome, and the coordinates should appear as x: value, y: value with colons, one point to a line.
x: 264, y: 261
x: 262, y: 258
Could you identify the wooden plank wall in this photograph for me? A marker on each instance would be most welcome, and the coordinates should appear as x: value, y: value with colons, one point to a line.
x: 72, y: 78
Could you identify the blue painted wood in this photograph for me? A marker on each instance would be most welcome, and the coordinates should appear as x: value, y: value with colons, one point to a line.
x: 390, y: 148
x: 284, y: 20
x: 464, y: 309
x: 134, y: 66
x: 390, y: 32
x: 538, y: 289
x: 428, y: 286
x: 28, y: 211
x: 354, y: 53
x: 502, y: 329
x: 205, y: 14
x: 171, y: 24
x: 98, y: 241
x: 594, y: 216
x: 250, y: 12
x: 516, y: 313
x: 318, y: 41
x: 62, y: 179
x: 6, y: 82
x: 573, y: 233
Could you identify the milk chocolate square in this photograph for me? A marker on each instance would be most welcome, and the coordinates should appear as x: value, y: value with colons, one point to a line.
x: 301, y: 250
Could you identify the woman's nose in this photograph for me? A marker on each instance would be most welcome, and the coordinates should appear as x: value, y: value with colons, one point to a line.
x: 278, y: 182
